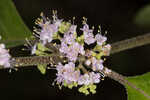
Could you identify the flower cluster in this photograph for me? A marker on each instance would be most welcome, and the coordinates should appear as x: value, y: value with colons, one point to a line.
x: 66, y: 74
x: 4, y: 56
x: 75, y: 72
x: 48, y: 28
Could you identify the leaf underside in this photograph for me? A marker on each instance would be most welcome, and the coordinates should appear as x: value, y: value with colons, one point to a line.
x: 142, y: 83
x: 12, y: 28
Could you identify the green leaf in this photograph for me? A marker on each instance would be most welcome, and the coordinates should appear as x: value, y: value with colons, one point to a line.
x: 42, y: 68
x: 12, y: 28
x: 141, y: 90
x: 142, y: 17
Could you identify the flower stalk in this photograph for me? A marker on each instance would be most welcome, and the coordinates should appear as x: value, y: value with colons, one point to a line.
x: 130, y: 43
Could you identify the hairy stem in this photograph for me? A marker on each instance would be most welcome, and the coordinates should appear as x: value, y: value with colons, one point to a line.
x: 130, y: 43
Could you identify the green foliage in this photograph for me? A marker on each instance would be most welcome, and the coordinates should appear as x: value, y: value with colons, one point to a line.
x: 42, y: 68
x: 142, y: 18
x: 12, y: 28
x: 86, y: 89
x: 141, y: 82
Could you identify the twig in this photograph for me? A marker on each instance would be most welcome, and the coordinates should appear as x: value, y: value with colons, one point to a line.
x: 130, y: 43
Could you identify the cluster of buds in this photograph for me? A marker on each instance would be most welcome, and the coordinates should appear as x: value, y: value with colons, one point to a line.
x: 84, y: 65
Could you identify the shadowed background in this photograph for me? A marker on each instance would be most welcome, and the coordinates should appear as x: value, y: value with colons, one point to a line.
x: 115, y: 16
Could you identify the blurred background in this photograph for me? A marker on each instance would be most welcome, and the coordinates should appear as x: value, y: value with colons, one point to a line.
x: 121, y: 18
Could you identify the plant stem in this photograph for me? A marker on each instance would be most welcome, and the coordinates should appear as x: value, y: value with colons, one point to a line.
x: 123, y: 80
x: 130, y: 43
x: 35, y: 60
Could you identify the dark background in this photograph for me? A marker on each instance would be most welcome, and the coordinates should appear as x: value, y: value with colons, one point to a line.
x: 115, y: 16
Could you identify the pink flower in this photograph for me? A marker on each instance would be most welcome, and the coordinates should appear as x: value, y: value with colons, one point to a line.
x: 57, y: 22
x: 59, y: 68
x: 67, y: 73
x: 4, y: 56
x: 59, y: 74
x: 69, y: 38
x: 63, y: 47
x: 88, y: 35
x: 86, y: 29
x: 48, y: 28
x: 81, y: 49
x: 100, y: 39
x: 89, y: 78
x: 73, y: 29
x: 89, y: 38
x: 97, y: 64
x: 94, y: 77
x: 106, y: 49
x: 47, y: 31
x: 72, y: 50
x: 84, y: 80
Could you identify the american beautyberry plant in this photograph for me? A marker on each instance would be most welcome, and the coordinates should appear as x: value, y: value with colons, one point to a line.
x: 77, y: 56
x: 77, y: 65
x: 80, y: 67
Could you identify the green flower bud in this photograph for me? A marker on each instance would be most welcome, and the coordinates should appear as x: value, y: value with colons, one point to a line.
x: 64, y: 27
x: 41, y: 47
x: 42, y: 68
